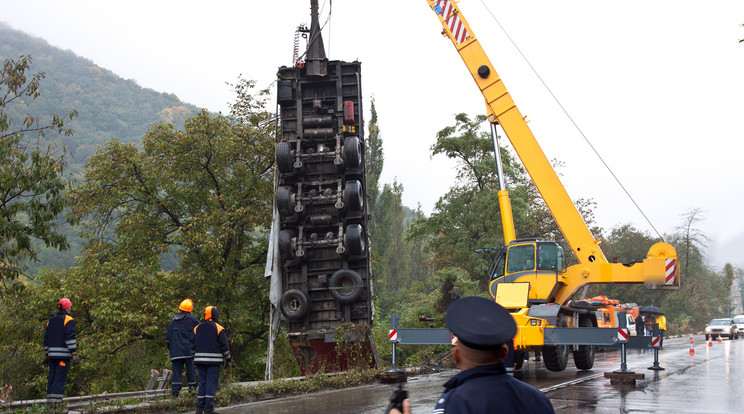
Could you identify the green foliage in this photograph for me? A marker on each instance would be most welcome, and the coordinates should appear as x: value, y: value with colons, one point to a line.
x: 704, y: 293
x: 467, y: 218
x: 31, y: 167
x: 203, y: 193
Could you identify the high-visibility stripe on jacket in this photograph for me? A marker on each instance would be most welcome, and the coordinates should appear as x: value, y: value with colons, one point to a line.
x: 59, y: 337
x: 211, y: 344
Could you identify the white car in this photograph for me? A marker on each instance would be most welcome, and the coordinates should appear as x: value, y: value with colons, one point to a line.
x: 721, y: 327
x: 739, y: 321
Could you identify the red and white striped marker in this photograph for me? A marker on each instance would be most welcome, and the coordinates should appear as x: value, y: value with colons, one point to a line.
x: 720, y: 341
x: 671, y: 271
x: 655, y: 341
x: 393, y: 334
x: 622, y: 334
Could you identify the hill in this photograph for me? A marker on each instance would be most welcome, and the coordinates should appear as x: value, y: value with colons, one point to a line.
x: 108, y: 107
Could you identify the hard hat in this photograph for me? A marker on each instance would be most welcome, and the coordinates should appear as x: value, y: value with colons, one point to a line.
x: 187, y: 305
x: 64, y: 303
x: 210, y: 313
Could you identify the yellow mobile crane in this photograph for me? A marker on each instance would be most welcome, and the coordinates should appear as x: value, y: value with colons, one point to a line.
x: 530, y: 277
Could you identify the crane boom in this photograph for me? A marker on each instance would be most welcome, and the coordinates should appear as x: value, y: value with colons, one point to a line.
x: 503, y: 111
x: 529, y: 276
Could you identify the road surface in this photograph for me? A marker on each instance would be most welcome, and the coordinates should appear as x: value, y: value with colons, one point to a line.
x: 710, y: 381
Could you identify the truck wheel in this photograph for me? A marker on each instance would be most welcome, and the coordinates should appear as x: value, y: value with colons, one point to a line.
x: 346, y: 285
x: 352, y: 152
x: 284, y: 159
x: 706, y: 337
x: 285, y: 244
x: 284, y: 201
x: 354, y: 196
x: 294, y: 304
x: 584, y: 356
x: 556, y: 357
x: 355, y: 239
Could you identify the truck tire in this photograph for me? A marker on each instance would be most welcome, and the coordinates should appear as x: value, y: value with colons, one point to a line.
x: 284, y: 201
x: 285, y: 244
x: 355, y: 239
x: 352, y: 152
x: 294, y: 304
x: 354, y: 196
x: 556, y: 357
x: 346, y: 285
x: 284, y: 159
x: 584, y: 356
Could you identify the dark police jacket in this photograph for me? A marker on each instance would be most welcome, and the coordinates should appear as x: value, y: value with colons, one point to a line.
x: 59, y: 337
x: 180, y: 335
x: 487, y: 389
x: 211, y: 344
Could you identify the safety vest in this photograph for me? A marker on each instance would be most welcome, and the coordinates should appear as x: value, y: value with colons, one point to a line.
x: 59, y: 337
x: 211, y: 344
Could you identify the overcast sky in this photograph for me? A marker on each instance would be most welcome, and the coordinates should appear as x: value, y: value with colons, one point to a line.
x: 655, y: 86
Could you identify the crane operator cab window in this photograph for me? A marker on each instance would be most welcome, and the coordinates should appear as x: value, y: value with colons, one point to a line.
x: 521, y: 258
x: 550, y: 257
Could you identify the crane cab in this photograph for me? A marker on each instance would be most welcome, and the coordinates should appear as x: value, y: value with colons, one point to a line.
x: 533, y: 262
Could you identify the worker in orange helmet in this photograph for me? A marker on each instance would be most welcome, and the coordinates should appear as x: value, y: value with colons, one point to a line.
x: 180, y: 340
x: 60, y: 347
x: 211, y: 350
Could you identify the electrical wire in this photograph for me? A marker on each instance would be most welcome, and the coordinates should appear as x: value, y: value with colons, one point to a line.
x: 572, y: 121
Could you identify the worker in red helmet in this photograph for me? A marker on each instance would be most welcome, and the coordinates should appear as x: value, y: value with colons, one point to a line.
x: 180, y: 340
x: 60, y: 347
x: 211, y: 350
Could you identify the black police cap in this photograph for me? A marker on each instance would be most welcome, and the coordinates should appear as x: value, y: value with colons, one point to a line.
x: 480, y: 323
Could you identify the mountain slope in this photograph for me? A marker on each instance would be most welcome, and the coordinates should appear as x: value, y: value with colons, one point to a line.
x: 108, y: 106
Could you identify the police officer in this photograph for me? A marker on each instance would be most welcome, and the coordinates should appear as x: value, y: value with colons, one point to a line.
x: 483, y: 329
x: 210, y: 352
x: 180, y: 340
x: 60, y: 346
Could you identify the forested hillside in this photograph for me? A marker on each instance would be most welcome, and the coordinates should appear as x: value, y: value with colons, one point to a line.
x: 108, y: 106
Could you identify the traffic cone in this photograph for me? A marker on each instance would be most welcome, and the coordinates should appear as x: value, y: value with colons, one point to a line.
x: 692, y: 350
x: 710, y: 340
x: 719, y: 339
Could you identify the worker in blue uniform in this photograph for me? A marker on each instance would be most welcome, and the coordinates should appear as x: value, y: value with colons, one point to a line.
x: 211, y: 350
x: 483, y: 328
x: 180, y: 340
x: 60, y: 347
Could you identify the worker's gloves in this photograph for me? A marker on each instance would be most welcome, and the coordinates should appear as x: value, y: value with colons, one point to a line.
x: 75, y: 358
x: 228, y: 362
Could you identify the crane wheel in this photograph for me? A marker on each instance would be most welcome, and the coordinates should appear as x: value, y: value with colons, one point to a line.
x: 584, y: 356
x: 556, y: 357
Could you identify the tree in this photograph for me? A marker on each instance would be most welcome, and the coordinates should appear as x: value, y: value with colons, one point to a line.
x: 467, y: 218
x: 203, y: 194
x: 31, y: 182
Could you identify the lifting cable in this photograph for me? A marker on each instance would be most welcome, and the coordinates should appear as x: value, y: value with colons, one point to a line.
x: 571, y: 119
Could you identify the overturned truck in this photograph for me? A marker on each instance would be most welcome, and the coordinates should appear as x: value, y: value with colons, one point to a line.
x: 321, y: 203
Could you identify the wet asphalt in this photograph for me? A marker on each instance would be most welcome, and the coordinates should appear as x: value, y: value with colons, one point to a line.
x: 710, y: 381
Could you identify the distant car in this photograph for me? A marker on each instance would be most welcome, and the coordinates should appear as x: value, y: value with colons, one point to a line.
x: 721, y: 327
x: 739, y: 321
